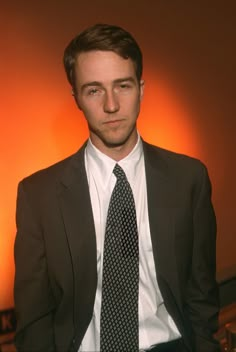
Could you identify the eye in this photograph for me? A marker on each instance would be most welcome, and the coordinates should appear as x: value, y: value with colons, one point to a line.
x: 124, y: 85
x: 93, y: 91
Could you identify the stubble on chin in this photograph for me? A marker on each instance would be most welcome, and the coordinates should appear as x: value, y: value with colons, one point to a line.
x: 112, y: 139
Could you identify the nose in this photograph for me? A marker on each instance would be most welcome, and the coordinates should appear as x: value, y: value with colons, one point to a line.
x: 111, y: 102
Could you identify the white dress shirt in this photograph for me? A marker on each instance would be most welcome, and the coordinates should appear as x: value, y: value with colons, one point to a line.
x: 155, y: 324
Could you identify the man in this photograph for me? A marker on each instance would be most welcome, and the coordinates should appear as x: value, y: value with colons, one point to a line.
x: 65, y: 274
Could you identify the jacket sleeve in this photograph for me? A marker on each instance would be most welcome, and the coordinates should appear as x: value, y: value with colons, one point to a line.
x: 202, y: 299
x: 34, y: 301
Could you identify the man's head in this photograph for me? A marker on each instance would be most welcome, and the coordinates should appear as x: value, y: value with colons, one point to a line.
x: 104, y: 67
x: 102, y: 37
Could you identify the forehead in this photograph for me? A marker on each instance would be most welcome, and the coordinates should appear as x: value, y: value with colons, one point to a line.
x: 102, y: 66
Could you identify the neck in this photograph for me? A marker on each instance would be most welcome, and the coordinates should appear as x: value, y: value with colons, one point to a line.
x: 117, y: 152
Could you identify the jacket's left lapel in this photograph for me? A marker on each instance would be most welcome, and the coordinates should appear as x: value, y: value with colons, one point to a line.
x: 161, y: 209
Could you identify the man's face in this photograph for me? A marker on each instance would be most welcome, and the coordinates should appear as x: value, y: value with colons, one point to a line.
x: 108, y: 93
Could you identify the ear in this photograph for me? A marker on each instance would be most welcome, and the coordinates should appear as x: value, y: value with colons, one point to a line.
x: 142, y: 83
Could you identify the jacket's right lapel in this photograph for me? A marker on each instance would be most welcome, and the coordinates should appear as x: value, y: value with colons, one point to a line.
x: 79, y: 227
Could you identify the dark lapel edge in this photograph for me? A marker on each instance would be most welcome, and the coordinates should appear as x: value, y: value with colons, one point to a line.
x: 159, y: 209
x: 162, y: 218
x: 78, y: 220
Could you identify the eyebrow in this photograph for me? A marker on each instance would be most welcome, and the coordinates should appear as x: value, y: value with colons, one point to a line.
x: 99, y: 84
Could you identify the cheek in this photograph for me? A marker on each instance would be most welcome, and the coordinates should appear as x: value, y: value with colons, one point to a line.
x: 86, y: 105
x: 134, y: 105
x: 91, y: 113
x: 129, y: 102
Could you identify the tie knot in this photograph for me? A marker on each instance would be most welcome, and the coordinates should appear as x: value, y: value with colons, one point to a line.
x: 119, y: 172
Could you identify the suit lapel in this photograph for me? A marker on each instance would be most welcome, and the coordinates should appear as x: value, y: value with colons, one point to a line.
x: 77, y: 214
x: 161, y: 209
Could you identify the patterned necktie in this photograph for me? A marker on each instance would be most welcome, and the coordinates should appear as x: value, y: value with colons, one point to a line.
x: 119, y: 312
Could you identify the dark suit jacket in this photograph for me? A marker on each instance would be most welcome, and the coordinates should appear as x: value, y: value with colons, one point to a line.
x: 55, y: 251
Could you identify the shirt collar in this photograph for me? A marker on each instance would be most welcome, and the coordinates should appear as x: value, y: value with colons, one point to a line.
x: 101, y: 165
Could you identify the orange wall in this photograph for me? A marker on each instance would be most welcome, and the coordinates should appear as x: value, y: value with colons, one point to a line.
x: 189, y: 58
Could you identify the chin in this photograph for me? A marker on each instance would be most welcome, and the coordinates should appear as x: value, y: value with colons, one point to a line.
x: 116, y: 141
x: 112, y: 143
x: 115, y: 138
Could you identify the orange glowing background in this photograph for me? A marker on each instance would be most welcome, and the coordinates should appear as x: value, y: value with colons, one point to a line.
x: 188, y: 105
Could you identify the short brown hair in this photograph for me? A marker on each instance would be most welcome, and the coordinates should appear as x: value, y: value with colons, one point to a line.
x: 103, y: 37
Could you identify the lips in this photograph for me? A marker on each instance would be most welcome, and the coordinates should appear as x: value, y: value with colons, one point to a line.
x: 113, y: 122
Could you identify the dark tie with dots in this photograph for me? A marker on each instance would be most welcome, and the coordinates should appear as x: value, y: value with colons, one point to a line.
x: 119, y: 312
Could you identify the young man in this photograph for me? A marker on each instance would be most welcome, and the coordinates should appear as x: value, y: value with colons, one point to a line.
x: 115, y: 247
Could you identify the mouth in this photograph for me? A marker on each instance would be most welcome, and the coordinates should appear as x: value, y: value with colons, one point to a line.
x: 113, y: 122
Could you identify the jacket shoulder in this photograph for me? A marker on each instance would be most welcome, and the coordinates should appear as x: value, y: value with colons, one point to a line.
x: 172, y: 159
x: 50, y: 175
